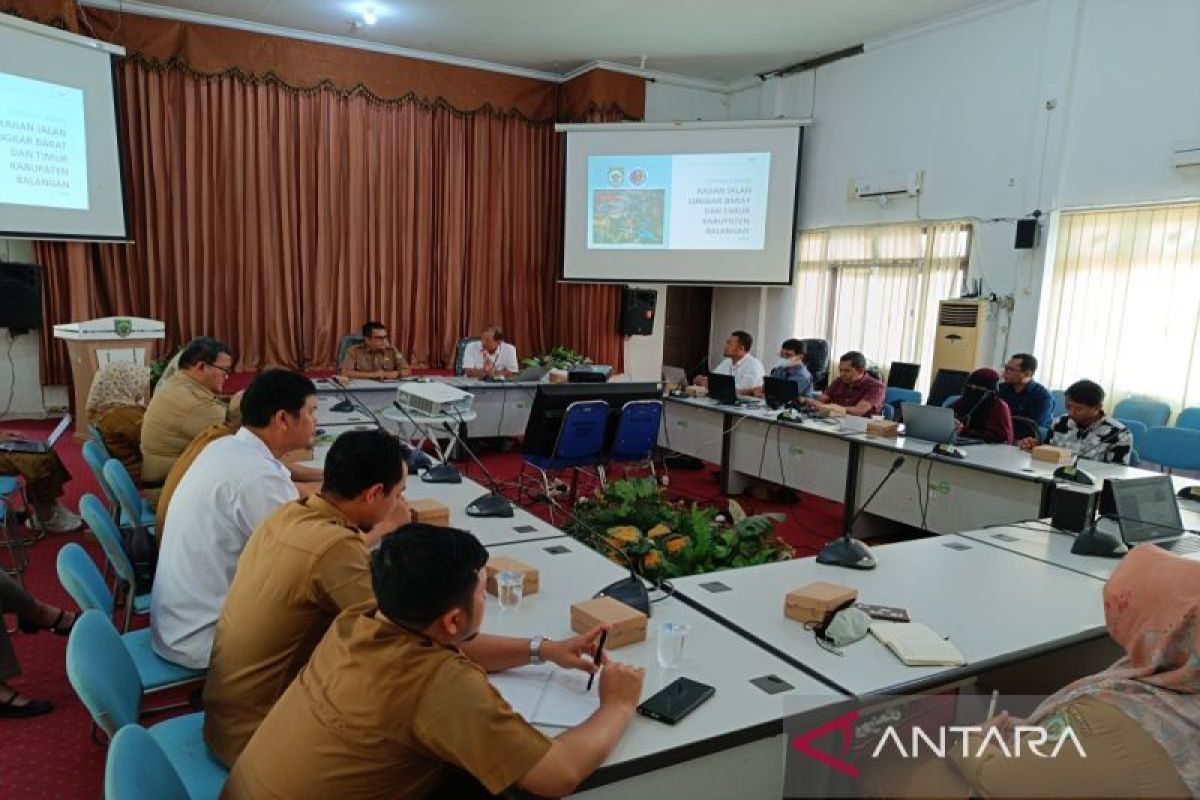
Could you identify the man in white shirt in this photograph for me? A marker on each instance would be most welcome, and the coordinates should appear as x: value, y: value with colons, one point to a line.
x: 234, y: 484
x: 491, y: 356
x: 747, y: 371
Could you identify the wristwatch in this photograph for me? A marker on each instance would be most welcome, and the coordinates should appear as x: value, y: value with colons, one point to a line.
x: 535, y: 649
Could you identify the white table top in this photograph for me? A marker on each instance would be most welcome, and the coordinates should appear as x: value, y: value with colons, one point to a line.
x: 994, y: 605
x: 327, y: 417
x: 355, y: 385
x: 712, y: 654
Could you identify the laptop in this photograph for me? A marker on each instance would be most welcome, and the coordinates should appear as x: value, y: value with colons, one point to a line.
x: 931, y: 423
x: 723, y: 389
x: 531, y: 374
x: 1146, y: 511
x: 780, y: 391
x: 28, y: 446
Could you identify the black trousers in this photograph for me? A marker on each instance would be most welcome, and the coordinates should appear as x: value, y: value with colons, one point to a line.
x: 13, y: 600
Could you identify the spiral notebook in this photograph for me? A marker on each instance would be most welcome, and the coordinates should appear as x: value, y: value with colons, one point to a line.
x: 547, y: 695
x: 917, y: 645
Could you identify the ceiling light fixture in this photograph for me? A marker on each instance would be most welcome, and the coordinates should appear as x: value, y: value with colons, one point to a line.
x: 368, y: 16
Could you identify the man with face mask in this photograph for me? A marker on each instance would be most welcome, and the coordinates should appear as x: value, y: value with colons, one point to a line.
x: 389, y: 705
x: 790, y: 366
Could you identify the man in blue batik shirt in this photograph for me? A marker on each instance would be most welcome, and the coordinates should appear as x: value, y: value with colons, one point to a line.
x: 790, y: 366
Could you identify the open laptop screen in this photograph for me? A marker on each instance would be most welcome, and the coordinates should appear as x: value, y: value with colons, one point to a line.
x: 1146, y: 508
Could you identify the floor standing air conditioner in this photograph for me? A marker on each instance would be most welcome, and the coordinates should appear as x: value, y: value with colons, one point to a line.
x: 964, y: 334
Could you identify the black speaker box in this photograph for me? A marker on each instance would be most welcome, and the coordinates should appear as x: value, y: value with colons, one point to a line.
x: 1027, y: 230
x: 1072, y: 510
x: 20, y: 296
x: 637, y: 311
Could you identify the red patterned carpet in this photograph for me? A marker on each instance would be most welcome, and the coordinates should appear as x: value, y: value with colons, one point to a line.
x: 54, y: 757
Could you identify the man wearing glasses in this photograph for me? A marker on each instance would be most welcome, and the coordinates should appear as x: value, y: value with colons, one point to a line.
x: 1025, y: 396
x: 184, y: 405
x: 375, y: 357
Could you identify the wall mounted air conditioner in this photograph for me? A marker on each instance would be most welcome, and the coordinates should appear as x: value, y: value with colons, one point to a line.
x: 898, y: 183
x: 1186, y: 154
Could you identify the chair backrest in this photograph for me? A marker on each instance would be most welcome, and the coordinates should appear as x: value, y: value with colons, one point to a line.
x: 1188, y: 418
x: 344, y: 344
x: 1025, y: 428
x: 1174, y: 448
x: 903, y: 375
x: 1136, y: 427
x: 98, y: 436
x: 1150, y: 412
x: 78, y: 575
x: 102, y: 525
x: 459, y: 350
x: 951, y: 400
x: 583, y: 428
x: 125, y: 490
x: 889, y: 412
x: 96, y: 456
x: 102, y: 672
x: 895, y: 394
x: 637, y: 430
x: 1060, y: 401
x: 138, y: 769
x: 816, y: 358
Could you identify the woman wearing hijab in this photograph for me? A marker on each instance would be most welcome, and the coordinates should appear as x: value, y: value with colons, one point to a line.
x: 116, y: 405
x: 1137, y: 722
x: 979, y: 413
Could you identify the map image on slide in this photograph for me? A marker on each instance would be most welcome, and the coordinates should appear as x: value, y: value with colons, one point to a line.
x: 628, y: 216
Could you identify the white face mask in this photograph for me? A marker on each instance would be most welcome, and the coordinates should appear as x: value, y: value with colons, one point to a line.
x: 781, y: 362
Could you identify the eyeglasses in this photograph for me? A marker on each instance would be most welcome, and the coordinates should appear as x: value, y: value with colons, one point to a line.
x: 227, y: 370
x: 380, y: 338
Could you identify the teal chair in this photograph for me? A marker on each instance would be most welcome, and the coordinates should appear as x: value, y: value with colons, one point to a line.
x: 138, y: 769
x: 97, y: 518
x: 1151, y: 413
x: 78, y: 575
x: 1188, y: 418
x: 1136, y: 427
x: 1060, y: 401
x: 96, y: 456
x: 894, y: 396
x: 951, y: 400
x: 105, y: 678
x: 1173, y: 448
x: 135, y: 511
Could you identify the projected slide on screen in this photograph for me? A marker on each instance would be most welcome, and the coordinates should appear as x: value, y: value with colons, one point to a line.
x: 694, y: 201
x: 43, y: 144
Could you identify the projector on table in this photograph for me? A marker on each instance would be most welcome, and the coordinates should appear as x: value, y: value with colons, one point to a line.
x: 434, y: 399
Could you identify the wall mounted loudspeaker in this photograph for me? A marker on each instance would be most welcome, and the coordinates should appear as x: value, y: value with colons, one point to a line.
x: 637, y: 311
x: 1027, y: 230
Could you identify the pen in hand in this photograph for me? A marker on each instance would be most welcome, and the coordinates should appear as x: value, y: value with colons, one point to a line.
x: 596, y: 658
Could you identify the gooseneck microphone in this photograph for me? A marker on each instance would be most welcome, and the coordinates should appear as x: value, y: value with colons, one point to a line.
x: 492, y: 504
x: 438, y: 473
x: 846, y: 551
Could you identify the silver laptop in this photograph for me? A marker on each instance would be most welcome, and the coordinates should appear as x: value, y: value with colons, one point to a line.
x: 1147, y: 510
x: 931, y: 423
x: 28, y: 446
x: 674, y: 375
x: 531, y: 374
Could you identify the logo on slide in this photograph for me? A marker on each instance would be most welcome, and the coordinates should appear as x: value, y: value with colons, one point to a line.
x: 616, y: 175
x: 637, y: 176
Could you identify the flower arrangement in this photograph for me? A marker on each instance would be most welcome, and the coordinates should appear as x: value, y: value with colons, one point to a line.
x: 666, y: 538
x: 557, y: 358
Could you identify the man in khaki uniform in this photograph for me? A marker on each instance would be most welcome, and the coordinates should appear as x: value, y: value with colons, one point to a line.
x: 389, y: 706
x: 184, y: 405
x: 375, y: 357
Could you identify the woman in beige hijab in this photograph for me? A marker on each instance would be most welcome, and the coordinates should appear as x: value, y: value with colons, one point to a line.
x: 116, y: 404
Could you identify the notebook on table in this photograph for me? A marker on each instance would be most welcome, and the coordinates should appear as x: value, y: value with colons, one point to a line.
x: 546, y: 695
x: 917, y: 645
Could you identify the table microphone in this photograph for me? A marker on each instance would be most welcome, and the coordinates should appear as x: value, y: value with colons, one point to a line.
x: 346, y: 405
x: 439, y: 473
x: 846, y: 551
x: 1073, y: 474
x: 947, y: 449
x: 492, y: 504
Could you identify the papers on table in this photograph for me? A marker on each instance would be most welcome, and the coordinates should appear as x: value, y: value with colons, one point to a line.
x: 917, y: 645
x: 547, y: 695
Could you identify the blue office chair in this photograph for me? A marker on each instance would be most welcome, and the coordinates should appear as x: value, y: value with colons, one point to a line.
x: 96, y: 456
x: 344, y: 344
x: 1173, y: 448
x: 894, y: 396
x: 1151, y: 413
x: 105, y: 678
x: 579, y: 446
x: 135, y: 511
x: 1060, y: 401
x: 78, y: 575
x: 459, y: 350
x: 889, y: 412
x: 105, y: 530
x: 1188, y: 418
x: 637, y: 434
x: 1136, y: 427
x: 951, y: 400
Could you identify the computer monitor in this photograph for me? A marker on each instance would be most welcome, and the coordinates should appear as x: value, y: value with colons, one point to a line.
x: 722, y: 388
x: 552, y: 399
x: 780, y: 391
x: 947, y: 383
x: 1145, y: 508
x: 903, y: 375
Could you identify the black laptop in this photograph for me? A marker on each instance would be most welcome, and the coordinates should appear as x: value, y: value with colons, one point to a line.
x: 780, y: 391
x: 722, y: 389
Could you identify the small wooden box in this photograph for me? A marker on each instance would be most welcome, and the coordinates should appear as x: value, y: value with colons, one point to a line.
x: 883, y: 427
x: 557, y: 376
x: 831, y: 410
x: 1053, y: 455
x: 696, y: 391
x: 816, y: 601
x: 626, y: 625
x: 498, y: 564
x: 430, y: 512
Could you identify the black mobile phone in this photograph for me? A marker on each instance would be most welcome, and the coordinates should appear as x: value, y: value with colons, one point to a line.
x: 676, y: 700
x: 888, y: 613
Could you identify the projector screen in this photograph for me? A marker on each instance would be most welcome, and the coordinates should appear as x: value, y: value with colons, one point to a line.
x: 708, y: 203
x: 60, y: 157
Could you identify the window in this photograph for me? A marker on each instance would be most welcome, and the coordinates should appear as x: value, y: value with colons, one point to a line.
x: 1124, y: 303
x: 876, y: 289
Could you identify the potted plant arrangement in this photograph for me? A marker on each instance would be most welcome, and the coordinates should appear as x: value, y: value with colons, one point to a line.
x: 666, y: 538
x: 558, y: 357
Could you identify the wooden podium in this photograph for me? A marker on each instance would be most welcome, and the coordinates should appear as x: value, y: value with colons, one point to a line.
x: 94, y: 343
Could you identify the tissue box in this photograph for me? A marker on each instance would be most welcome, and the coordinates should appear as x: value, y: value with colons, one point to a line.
x: 557, y: 376
x: 883, y: 427
x: 430, y: 512
x: 696, y: 391
x: 1053, y: 455
x: 817, y: 601
x: 626, y: 625
x: 497, y: 564
x: 831, y: 410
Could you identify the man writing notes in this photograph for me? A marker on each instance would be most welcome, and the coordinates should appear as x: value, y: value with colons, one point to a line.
x: 375, y: 357
x: 853, y: 389
x: 747, y: 371
x: 389, y: 706
x: 491, y: 356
